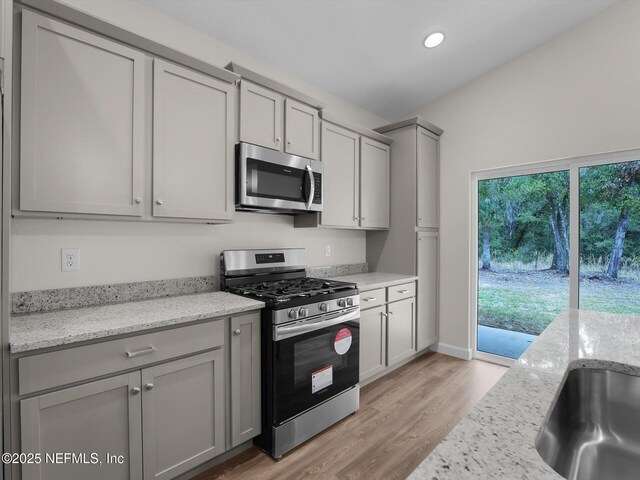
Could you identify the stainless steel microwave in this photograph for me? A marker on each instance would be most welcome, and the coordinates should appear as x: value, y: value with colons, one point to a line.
x: 272, y: 181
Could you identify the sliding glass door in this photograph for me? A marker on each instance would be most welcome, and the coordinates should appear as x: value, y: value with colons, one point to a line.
x: 610, y: 237
x: 523, y: 259
x: 554, y: 238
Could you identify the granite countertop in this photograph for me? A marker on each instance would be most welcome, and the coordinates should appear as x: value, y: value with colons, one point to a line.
x: 369, y: 281
x: 61, y: 327
x: 496, y: 440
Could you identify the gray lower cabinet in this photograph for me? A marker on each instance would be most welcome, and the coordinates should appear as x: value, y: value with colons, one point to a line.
x: 182, y: 414
x: 163, y: 420
x: 387, y: 328
x: 245, y: 378
x: 400, y: 331
x: 102, y: 417
x: 373, y: 338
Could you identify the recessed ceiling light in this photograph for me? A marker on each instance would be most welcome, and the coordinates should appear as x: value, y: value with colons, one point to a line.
x: 434, y: 40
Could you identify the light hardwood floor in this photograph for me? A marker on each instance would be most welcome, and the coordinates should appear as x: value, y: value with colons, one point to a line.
x: 402, y: 417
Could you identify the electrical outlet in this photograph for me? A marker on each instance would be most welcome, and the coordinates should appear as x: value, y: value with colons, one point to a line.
x: 327, y: 249
x: 70, y: 259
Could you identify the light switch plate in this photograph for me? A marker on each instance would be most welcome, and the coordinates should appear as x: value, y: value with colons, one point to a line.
x: 327, y: 249
x: 70, y: 259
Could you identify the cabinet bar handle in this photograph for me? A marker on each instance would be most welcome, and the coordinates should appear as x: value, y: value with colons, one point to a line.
x: 403, y: 291
x: 369, y: 299
x: 146, y: 351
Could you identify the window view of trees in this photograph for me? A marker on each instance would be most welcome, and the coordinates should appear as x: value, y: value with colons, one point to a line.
x: 523, y: 246
x: 610, y: 238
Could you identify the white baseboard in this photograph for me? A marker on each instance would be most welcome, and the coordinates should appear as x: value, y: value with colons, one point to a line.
x: 453, y: 351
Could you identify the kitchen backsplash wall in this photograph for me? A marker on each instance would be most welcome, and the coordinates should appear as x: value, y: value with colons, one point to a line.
x: 74, y: 297
x: 121, y: 252
x: 56, y: 299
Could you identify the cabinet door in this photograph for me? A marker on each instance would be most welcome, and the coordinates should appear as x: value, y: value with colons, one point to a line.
x: 341, y: 178
x: 260, y: 116
x: 192, y: 144
x: 182, y: 414
x: 245, y: 378
x: 100, y: 417
x: 400, y: 330
x: 373, y: 339
x: 374, y: 184
x: 301, y: 129
x: 427, y: 324
x: 427, y: 169
x: 82, y: 125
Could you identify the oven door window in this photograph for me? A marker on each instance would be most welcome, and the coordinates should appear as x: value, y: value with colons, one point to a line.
x: 313, y: 367
x: 270, y: 180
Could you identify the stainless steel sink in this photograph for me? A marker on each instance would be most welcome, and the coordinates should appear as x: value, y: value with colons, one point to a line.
x: 593, y: 431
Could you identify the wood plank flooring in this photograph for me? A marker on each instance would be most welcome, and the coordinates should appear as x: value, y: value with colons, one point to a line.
x: 402, y: 417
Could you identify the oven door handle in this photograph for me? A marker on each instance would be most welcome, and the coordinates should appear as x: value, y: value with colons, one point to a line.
x: 312, y: 188
x: 280, y: 333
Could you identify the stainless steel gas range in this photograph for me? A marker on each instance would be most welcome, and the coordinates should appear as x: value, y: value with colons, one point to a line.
x: 310, y: 343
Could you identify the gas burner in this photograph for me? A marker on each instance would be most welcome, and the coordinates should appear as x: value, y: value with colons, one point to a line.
x: 284, y: 290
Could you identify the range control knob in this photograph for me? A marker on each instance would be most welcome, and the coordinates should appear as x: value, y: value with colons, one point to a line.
x: 342, y: 303
x: 303, y: 312
x: 323, y: 307
x: 293, y: 314
x: 350, y: 302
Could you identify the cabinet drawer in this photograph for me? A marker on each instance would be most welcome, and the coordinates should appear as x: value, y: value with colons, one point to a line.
x: 372, y: 298
x: 54, y: 369
x: 400, y: 292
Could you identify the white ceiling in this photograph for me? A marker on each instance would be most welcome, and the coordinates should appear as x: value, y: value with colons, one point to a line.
x: 370, y: 52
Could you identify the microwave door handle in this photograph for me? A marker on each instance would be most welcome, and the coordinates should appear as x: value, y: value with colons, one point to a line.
x: 312, y: 191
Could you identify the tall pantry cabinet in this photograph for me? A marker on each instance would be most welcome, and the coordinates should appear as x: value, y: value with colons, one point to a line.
x: 410, y: 246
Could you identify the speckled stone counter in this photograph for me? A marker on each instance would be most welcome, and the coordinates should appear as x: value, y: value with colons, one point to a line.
x: 496, y: 440
x: 369, y: 281
x: 49, y: 329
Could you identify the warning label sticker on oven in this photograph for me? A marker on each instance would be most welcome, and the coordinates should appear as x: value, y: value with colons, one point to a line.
x: 321, y: 379
x: 342, y: 342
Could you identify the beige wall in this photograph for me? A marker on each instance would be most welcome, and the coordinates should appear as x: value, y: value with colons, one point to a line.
x: 113, y: 252
x: 575, y: 95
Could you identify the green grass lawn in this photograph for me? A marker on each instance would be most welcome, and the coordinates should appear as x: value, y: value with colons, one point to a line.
x: 528, y: 301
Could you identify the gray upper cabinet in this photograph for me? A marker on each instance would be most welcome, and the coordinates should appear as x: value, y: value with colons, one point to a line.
x: 245, y: 378
x: 82, y: 125
x: 271, y: 120
x: 69, y: 421
x: 261, y: 120
x: 374, y: 184
x: 192, y: 144
x: 427, y: 170
x: 183, y: 414
x: 427, y: 321
x: 341, y: 176
x: 302, y: 129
